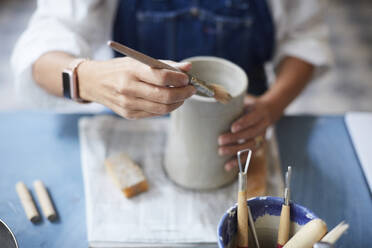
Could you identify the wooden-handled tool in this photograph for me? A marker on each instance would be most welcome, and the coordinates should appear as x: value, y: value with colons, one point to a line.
x: 242, y: 220
x: 285, y: 220
x: 210, y: 90
x: 242, y: 236
x: 310, y: 233
x: 244, y: 213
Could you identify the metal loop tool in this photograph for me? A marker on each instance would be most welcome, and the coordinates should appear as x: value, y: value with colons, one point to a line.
x: 243, y: 171
x: 243, y: 187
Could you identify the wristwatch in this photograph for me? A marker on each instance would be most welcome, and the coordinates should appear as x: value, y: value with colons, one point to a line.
x: 70, y: 82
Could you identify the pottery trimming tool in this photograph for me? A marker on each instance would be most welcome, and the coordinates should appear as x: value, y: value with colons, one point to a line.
x: 285, y: 220
x: 210, y: 90
x: 244, y: 213
x: 253, y: 228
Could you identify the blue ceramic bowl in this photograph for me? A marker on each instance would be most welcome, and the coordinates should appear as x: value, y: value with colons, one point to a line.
x: 266, y: 212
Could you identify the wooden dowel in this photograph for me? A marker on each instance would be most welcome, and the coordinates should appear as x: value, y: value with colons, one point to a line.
x: 308, y: 235
x: 27, y: 202
x: 45, y: 201
x: 333, y: 235
x: 242, y: 238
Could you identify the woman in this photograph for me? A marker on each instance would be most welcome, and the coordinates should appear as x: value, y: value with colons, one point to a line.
x: 252, y: 33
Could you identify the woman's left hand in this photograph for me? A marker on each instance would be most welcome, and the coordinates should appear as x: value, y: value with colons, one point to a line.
x: 247, y: 132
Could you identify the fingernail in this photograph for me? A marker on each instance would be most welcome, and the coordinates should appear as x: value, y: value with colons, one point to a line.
x: 194, y: 90
x: 228, y: 167
x: 221, y: 152
x: 182, y: 64
x: 220, y: 141
x: 185, y: 81
x: 235, y: 129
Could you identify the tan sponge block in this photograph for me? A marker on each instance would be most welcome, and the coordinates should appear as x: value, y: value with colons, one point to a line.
x: 127, y: 175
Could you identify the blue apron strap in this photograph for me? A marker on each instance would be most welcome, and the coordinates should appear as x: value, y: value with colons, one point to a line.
x: 264, y: 43
x: 124, y: 24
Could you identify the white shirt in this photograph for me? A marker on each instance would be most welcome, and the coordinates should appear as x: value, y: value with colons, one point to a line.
x: 82, y: 27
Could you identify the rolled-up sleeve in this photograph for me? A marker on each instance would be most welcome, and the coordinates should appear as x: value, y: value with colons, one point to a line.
x: 303, y: 34
x: 75, y: 27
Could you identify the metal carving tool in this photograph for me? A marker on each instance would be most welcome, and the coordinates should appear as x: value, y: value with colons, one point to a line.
x: 285, y: 220
x: 253, y: 228
x: 210, y: 90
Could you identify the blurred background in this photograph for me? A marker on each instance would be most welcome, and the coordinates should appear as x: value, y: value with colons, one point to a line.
x: 348, y: 86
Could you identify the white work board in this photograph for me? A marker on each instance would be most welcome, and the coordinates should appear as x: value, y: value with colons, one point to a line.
x: 359, y: 125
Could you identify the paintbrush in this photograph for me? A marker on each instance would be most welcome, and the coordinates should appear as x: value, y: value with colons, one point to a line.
x: 210, y: 90
x: 284, y: 222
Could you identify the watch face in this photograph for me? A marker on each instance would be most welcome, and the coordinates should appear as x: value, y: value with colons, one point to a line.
x: 66, y: 79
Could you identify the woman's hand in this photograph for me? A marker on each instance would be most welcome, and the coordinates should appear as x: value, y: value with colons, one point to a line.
x: 132, y: 89
x: 247, y: 132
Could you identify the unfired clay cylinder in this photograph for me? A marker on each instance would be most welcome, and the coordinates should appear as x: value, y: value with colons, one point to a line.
x: 191, y: 158
x: 45, y: 201
x: 27, y: 202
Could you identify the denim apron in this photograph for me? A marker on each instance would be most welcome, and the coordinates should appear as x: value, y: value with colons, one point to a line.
x: 241, y: 31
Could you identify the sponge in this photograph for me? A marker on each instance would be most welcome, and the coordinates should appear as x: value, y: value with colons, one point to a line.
x: 127, y: 175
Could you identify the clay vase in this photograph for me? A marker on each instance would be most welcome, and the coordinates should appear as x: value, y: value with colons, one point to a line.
x: 191, y: 156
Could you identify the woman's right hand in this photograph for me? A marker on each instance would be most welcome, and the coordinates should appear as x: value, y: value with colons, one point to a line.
x: 132, y: 89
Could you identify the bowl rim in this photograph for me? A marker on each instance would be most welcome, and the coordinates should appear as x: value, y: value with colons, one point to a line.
x: 10, y: 231
x: 276, y: 199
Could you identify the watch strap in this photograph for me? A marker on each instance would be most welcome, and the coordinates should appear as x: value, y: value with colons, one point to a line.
x: 70, y: 81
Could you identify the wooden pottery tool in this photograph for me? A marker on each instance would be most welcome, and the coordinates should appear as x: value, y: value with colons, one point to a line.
x: 210, y: 90
x: 309, y: 234
x: 332, y: 236
x: 45, y: 201
x: 244, y: 214
x: 285, y: 220
x: 242, y: 236
x: 27, y: 202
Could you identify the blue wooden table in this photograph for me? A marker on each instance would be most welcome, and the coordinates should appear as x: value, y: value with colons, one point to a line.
x: 327, y: 175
